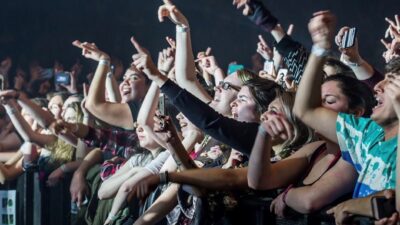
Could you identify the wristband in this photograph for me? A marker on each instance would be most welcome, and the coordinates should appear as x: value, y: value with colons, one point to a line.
x: 181, y: 29
x: 105, y: 62
x: 112, y: 217
x: 285, y: 193
x: 10, y: 110
x: 261, y: 129
x: 320, y: 52
x: 64, y: 168
x: 164, y: 178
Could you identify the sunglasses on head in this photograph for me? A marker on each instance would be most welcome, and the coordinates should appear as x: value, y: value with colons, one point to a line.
x: 226, y: 85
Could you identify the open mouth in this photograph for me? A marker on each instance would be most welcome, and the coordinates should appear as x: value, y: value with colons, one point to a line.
x: 379, y: 102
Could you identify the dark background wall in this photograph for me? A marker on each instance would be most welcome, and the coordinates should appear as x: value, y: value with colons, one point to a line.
x: 46, y: 28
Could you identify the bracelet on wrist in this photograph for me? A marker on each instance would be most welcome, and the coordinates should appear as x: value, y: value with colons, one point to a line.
x: 64, y: 168
x: 182, y: 29
x: 164, y: 178
x: 320, y: 52
x: 285, y: 193
x: 111, y: 217
x: 105, y: 62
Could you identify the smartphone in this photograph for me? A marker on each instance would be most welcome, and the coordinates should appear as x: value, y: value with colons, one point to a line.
x: 63, y: 78
x: 349, y: 38
x: 1, y: 82
x: 161, y: 104
x: 234, y: 67
x: 269, y: 66
x: 382, y: 207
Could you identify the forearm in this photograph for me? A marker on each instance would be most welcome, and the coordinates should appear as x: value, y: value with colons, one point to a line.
x: 161, y: 207
x: 19, y: 122
x: 180, y: 155
x: 111, y: 186
x: 362, y: 69
x: 215, y: 179
x: 81, y: 150
x: 44, y: 118
x: 149, y: 106
x: 94, y: 157
x: 260, y: 161
x: 185, y: 67
x: 96, y: 94
x: 112, y: 89
x: 309, y: 90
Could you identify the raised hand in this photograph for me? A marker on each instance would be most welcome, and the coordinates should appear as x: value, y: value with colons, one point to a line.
x: 91, y: 51
x: 321, y: 28
x: 348, y: 54
x: 164, y: 128
x: 394, y: 27
x: 169, y: 10
x: 143, y: 62
x: 166, y: 59
x: 263, y: 49
x: 8, y: 94
x: 243, y: 4
x: 71, y: 88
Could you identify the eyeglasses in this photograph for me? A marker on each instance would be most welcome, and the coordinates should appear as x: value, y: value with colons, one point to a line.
x: 226, y: 85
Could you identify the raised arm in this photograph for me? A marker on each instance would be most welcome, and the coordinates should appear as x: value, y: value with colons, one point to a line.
x: 24, y: 128
x: 351, y: 57
x: 112, y: 88
x: 308, y: 105
x: 184, y: 62
x: 116, y: 114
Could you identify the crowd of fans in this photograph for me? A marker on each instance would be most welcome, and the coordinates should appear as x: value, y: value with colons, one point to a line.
x: 184, y: 142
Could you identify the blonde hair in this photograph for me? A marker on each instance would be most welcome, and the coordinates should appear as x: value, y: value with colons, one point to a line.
x: 302, y: 134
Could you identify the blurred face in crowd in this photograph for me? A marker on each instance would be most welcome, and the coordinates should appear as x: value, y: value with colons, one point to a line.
x: 274, y: 108
x: 186, y: 125
x: 333, y: 98
x: 145, y: 140
x: 133, y: 87
x: 225, y: 93
x: 383, y: 113
x: 69, y: 112
x: 244, y: 107
x: 44, y: 87
x: 55, y: 106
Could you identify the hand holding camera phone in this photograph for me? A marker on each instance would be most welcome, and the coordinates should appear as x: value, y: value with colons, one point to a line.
x: 63, y: 78
x: 383, y: 207
x: 349, y: 38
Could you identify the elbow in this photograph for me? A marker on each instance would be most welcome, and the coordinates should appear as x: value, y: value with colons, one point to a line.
x: 310, y: 204
x: 255, y: 184
x: 103, y: 194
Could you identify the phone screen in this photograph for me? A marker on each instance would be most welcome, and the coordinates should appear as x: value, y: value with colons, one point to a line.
x: 349, y: 38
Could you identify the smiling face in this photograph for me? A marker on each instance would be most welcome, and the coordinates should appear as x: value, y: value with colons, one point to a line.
x: 333, y: 98
x: 133, y: 87
x: 383, y: 113
x: 185, y: 125
x: 223, y: 97
x: 145, y: 140
x: 244, y: 107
